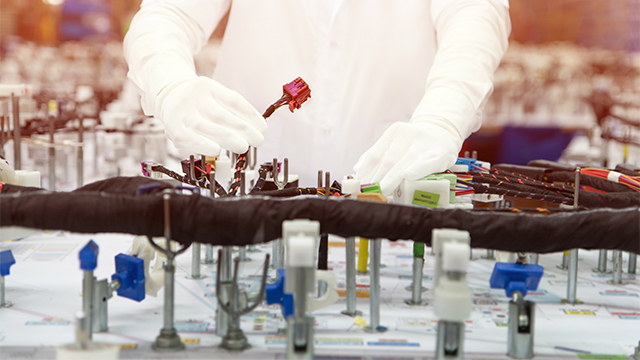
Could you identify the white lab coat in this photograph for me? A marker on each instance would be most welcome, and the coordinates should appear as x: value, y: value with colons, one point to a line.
x: 367, y: 63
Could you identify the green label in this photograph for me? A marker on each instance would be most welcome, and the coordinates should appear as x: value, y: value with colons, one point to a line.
x: 601, y: 356
x: 427, y: 199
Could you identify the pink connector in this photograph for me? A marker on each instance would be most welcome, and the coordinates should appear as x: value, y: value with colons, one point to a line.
x: 299, y: 92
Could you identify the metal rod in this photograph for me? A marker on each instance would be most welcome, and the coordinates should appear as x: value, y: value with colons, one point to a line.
x: 169, y: 269
x: 192, y: 170
x: 416, y: 288
x: 633, y: 259
x: 224, y: 265
x: 87, y: 300
x: 2, y: 298
x: 17, y: 156
x: 242, y: 254
x: 2, y: 121
x: 576, y: 189
x: 374, y: 287
x: 327, y: 185
x: 534, y: 258
x: 80, y: 152
x: 617, y: 267
x: 196, y: 249
x: 243, y: 181
x: 350, y: 264
x: 52, y: 153
x: 602, y: 261
x: 82, y: 333
x: 572, y: 279
x: 474, y: 154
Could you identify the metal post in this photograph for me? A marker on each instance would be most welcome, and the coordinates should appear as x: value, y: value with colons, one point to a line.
x: 534, y: 258
x: 87, y: 300
x: 80, y: 162
x: 350, y: 264
x: 617, y: 269
x: 2, y: 122
x: 196, y: 249
x: 450, y: 340
x: 416, y: 287
x: 17, y: 156
x: 192, y: 170
x: 168, y: 340
x: 565, y: 262
x: 224, y: 263
x: 242, y: 254
x: 521, y: 327
x: 52, y: 155
x: 208, y: 248
x: 572, y: 280
x: 3, y: 302
x: 602, y: 262
x: 633, y: 259
x: 374, y: 287
x: 82, y: 333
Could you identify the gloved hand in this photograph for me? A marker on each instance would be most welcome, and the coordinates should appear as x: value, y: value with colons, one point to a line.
x: 200, y: 116
x: 409, y: 151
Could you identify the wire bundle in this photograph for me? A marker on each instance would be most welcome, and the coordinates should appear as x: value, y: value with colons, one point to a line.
x: 630, y: 181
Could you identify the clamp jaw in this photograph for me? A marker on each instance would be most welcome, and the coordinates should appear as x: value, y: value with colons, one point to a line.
x: 128, y: 282
x: 516, y: 280
x: 452, y: 297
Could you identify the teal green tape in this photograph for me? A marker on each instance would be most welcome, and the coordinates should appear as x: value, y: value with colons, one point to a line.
x: 418, y: 250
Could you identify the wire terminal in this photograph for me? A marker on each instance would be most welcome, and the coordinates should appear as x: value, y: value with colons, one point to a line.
x: 299, y: 92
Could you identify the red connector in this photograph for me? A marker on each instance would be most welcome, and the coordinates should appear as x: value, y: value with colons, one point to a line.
x: 299, y: 92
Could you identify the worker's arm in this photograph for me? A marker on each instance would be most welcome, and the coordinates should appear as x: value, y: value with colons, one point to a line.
x: 199, y: 114
x: 472, y: 37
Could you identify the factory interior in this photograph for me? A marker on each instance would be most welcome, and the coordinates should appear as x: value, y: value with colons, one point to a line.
x: 137, y: 223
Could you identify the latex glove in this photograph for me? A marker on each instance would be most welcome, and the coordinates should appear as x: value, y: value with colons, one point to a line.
x: 409, y: 151
x: 200, y: 116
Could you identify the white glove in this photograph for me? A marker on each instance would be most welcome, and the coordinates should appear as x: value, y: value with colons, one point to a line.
x: 409, y: 151
x: 200, y: 116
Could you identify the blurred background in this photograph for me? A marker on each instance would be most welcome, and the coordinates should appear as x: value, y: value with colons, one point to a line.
x: 568, y: 88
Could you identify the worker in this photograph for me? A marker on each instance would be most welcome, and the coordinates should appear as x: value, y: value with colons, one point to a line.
x: 396, y: 86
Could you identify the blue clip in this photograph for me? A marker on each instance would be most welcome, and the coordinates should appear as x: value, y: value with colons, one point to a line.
x: 89, y: 256
x: 130, y: 274
x: 6, y: 260
x: 516, y: 277
x: 469, y: 162
x: 276, y: 295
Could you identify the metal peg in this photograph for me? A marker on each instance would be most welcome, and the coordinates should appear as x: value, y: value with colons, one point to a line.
x: 285, y: 173
x: 374, y: 287
x: 350, y: 264
x: 521, y: 327
x: 602, y: 262
x: 80, y: 153
x: 17, y: 156
x: 617, y: 269
x: 633, y: 259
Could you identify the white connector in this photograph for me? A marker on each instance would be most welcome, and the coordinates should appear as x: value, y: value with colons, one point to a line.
x: 223, y: 170
x: 351, y: 187
x: 452, y: 297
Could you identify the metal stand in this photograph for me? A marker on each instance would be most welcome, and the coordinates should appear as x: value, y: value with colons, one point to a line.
x: 223, y: 275
x: 521, y: 327
x: 168, y: 339
x: 602, y: 262
x: 196, y: 249
x: 277, y: 249
x: 416, y: 286
x: 633, y: 259
x: 450, y: 340
x: 374, y: 288
x: 102, y: 293
x: 242, y: 254
x: 534, y: 258
x: 565, y: 262
x: 350, y: 264
x: 3, y: 302
x: 237, y: 304
x: 572, y: 275
x: 617, y: 269
x: 208, y: 254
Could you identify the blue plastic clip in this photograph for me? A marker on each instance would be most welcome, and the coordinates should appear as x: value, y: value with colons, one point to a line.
x: 516, y: 277
x: 276, y: 295
x: 6, y: 260
x: 469, y: 162
x: 89, y: 256
x: 130, y: 274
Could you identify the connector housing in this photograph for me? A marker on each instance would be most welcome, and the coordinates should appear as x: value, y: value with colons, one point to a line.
x: 299, y: 92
